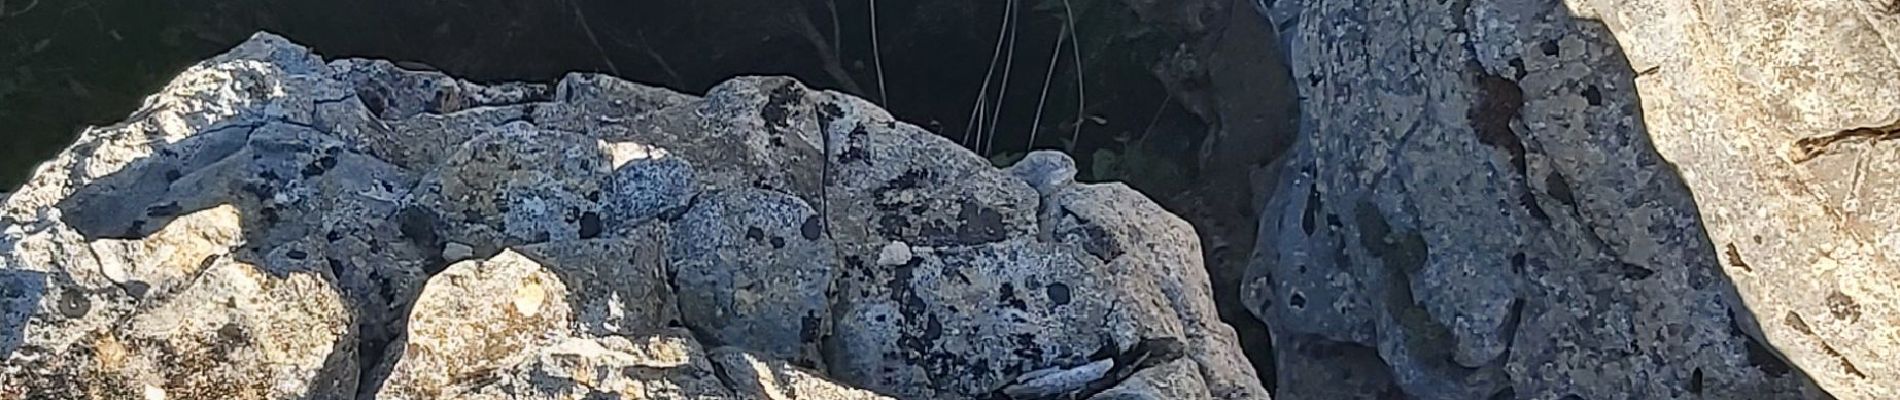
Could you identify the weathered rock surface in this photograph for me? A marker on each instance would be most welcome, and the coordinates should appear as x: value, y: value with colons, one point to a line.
x: 1480, y: 204
x: 274, y: 226
x: 1811, y: 244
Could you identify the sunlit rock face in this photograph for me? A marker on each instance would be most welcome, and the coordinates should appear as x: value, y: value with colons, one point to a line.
x: 271, y: 225
x: 1584, y: 200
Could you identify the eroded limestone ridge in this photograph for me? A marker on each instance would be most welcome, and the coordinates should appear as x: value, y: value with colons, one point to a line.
x: 273, y: 226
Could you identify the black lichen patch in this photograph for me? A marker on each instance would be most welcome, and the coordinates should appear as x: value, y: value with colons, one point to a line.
x: 1058, y: 293
x: 828, y: 113
x: 137, y: 289
x: 753, y: 233
x: 980, y: 224
x: 1550, y: 47
x: 1559, y: 189
x: 853, y: 150
x: 1499, y: 102
x: 296, y: 254
x: 590, y: 225
x: 808, y: 327
x: 231, y: 332
x: 1843, y: 307
x: 1093, y: 238
x: 911, y: 179
x: 777, y: 111
x: 1695, y: 381
x: 1309, y: 218
x: 318, y: 166
x: 73, y: 303
x: 1593, y: 95
x: 1025, y: 349
x: 812, y: 228
x: 892, y: 225
x: 778, y: 242
x: 1008, y: 297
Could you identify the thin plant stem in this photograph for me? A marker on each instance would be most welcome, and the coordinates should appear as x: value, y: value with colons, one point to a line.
x: 976, y: 111
x: 591, y: 39
x: 1080, y: 99
x: 1002, y: 90
x: 877, y: 58
x: 1156, y: 118
x: 976, y: 118
x: 1055, y: 57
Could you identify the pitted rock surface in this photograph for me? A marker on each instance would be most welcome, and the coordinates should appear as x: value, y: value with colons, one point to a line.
x: 274, y: 226
x: 1806, y: 234
x: 1481, y: 204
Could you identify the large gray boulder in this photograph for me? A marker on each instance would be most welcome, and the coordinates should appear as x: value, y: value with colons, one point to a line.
x: 1763, y: 108
x: 273, y: 226
x: 1481, y: 205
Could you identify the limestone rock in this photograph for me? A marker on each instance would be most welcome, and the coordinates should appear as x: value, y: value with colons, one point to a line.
x: 753, y: 272
x: 518, y: 185
x: 762, y: 378
x: 502, y: 328
x: 663, y: 365
x: 222, y: 228
x: 272, y: 226
x: 1176, y: 380
x: 668, y: 365
x: 221, y: 327
x: 1480, y: 204
x: 647, y: 183
x: 616, y: 286
x: 472, y: 318
x: 1730, y: 92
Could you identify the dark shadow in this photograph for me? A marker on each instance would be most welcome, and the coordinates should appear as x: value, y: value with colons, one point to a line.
x: 20, y: 292
x: 74, y: 63
x: 1544, y: 123
x: 292, y: 185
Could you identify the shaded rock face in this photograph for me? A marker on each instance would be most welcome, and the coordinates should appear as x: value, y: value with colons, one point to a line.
x: 273, y: 226
x: 1480, y: 205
